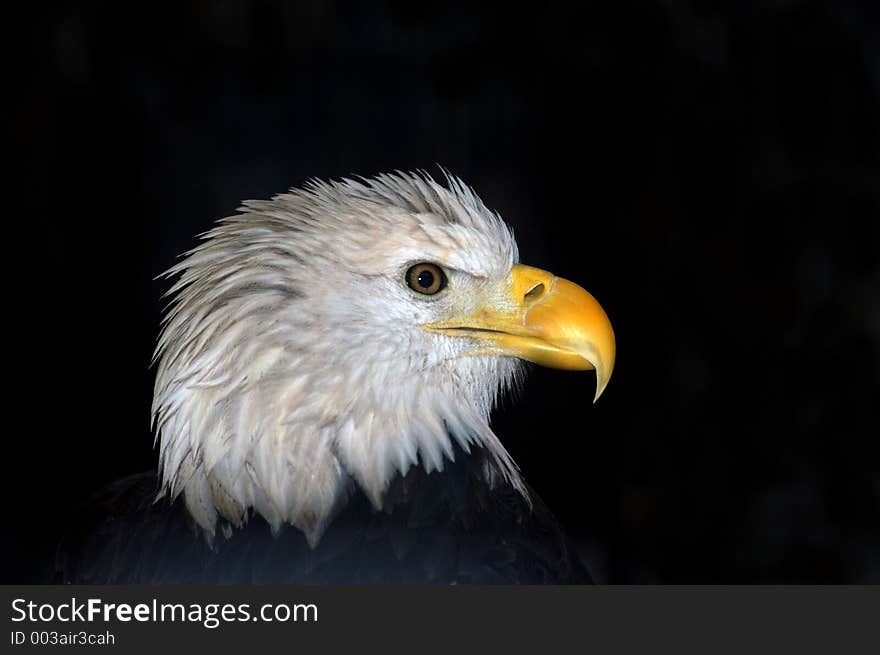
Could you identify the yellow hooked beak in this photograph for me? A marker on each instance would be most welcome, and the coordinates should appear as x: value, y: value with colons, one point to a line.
x: 543, y: 319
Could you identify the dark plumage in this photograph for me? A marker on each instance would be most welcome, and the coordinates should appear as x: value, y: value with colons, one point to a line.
x: 443, y: 528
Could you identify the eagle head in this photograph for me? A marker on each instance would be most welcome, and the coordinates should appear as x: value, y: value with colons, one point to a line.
x: 329, y: 339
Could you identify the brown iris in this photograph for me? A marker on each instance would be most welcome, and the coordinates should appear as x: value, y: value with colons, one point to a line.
x: 426, y: 278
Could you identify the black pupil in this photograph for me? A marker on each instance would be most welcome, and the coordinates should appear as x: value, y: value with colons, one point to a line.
x: 425, y: 279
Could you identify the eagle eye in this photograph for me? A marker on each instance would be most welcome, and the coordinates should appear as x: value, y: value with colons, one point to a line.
x: 426, y: 278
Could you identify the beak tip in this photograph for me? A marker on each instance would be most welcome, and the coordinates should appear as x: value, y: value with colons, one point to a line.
x: 602, y: 379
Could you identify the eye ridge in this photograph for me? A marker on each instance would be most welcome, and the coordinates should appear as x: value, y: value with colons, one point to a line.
x: 426, y: 278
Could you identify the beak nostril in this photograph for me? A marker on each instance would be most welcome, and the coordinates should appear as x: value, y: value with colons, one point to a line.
x: 535, y: 292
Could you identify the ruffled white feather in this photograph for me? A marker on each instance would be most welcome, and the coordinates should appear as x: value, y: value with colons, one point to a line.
x: 291, y: 365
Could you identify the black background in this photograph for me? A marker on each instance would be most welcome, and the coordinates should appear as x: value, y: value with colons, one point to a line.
x: 709, y: 171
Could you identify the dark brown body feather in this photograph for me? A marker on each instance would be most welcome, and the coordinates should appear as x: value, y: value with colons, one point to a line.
x: 447, y: 528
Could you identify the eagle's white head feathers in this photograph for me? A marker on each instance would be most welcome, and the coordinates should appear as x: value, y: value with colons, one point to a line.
x: 292, y: 362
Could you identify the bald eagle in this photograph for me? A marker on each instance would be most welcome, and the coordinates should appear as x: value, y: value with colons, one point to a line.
x: 325, y: 376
